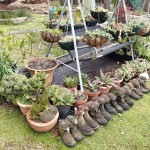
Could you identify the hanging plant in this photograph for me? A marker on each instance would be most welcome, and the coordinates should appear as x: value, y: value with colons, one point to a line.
x: 67, y: 43
x: 51, y: 35
x: 96, y: 38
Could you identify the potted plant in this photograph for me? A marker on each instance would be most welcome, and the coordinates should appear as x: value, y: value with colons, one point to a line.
x: 42, y: 64
x: 32, y: 90
x: 91, y: 89
x: 70, y: 82
x: 100, y: 14
x: 62, y: 98
x: 11, y: 87
x: 51, y: 35
x: 105, y: 83
x: 80, y: 97
x: 42, y: 117
x: 116, y: 77
x: 96, y: 38
x: 119, y: 31
x: 90, y: 21
x: 67, y: 42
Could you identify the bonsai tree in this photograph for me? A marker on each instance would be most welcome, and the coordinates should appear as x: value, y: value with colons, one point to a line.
x: 70, y: 81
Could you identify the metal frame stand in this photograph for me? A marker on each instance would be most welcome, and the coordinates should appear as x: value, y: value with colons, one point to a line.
x: 126, y: 18
x: 69, y: 4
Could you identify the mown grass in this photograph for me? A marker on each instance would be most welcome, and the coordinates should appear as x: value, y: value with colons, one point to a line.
x: 131, y: 131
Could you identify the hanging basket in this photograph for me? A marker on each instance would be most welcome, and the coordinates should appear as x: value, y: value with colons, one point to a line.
x: 95, y: 42
x: 100, y: 16
x: 91, y: 23
x: 144, y: 32
x: 50, y: 37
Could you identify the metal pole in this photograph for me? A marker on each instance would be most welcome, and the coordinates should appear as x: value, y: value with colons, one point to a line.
x: 75, y: 45
x: 82, y: 14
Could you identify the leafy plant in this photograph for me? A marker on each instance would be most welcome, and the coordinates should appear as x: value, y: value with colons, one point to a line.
x: 85, y: 78
x: 60, y: 96
x: 34, y: 88
x: 104, y: 80
x: 70, y: 81
x: 12, y: 86
x: 79, y: 95
x: 53, y: 31
x: 92, y: 86
x: 69, y: 39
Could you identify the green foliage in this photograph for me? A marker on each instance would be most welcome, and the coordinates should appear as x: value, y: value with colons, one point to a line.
x: 60, y: 96
x: 70, y: 81
x: 13, y: 14
x: 104, y: 80
x: 129, y: 69
x: 92, y: 86
x: 69, y: 39
x: 85, y: 78
x: 12, y: 86
x: 53, y: 31
x: 34, y: 88
x: 98, y: 33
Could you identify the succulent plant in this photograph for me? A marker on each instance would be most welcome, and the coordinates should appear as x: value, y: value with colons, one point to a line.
x: 53, y: 31
x: 60, y: 96
x: 12, y: 86
x: 92, y: 86
x: 70, y: 81
x: 69, y: 39
x: 104, y: 80
x: 85, y: 78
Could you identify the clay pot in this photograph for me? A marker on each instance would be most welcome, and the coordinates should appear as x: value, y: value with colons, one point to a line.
x: 81, y: 102
x: 91, y: 95
x: 49, y: 72
x: 117, y: 82
x: 98, y: 42
x: 42, y: 127
x: 103, y: 41
x: 24, y: 108
x: 104, y: 90
x: 92, y: 41
x: 71, y: 89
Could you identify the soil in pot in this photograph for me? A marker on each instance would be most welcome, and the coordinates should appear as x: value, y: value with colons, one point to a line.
x: 63, y: 111
x: 38, y: 64
x: 81, y: 101
x: 40, y: 126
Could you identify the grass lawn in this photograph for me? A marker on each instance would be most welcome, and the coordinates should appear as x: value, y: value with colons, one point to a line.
x: 131, y: 131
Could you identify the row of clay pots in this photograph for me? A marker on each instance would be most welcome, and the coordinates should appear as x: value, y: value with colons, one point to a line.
x: 95, y: 42
x: 49, y: 37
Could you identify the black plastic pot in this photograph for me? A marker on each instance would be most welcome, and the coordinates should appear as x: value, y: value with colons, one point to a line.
x: 91, y: 23
x: 23, y: 71
x: 63, y: 111
x: 100, y: 16
x: 67, y: 45
x: 66, y: 28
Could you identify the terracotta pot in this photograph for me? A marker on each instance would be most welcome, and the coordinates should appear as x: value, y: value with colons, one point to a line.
x: 49, y: 72
x: 91, y: 95
x: 105, y: 90
x: 24, y: 108
x: 71, y: 89
x: 103, y: 41
x: 42, y: 127
x: 81, y: 102
x: 117, y: 82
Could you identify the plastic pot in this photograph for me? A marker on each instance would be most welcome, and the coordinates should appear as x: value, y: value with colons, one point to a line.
x: 63, y: 111
x: 91, y: 23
